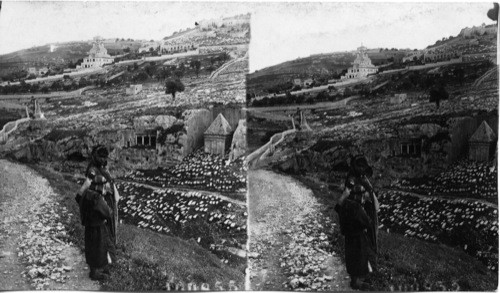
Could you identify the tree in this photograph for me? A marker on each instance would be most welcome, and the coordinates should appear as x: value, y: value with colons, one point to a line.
x: 493, y: 13
x: 151, y: 70
x: 438, y: 93
x: 82, y: 82
x: 173, y: 86
x: 179, y: 73
x: 224, y: 56
x: 56, y: 85
x: 196, y: 64
x: 141, y: 76
x: 460, y: 74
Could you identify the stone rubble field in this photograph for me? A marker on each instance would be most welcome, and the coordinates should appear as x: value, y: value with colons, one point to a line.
x: 167, y: 211
x: 201, y: 171
x: 471, y: 226
x: 463, y: 179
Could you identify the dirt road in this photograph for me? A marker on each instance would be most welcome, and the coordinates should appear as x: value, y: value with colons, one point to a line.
x: 286, y: 237
x: 34, y: 251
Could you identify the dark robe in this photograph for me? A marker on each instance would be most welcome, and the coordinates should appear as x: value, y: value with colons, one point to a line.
x: 94, y: 170
x: 361, y: 185
x: 356, y: 226
x: 95, y: 213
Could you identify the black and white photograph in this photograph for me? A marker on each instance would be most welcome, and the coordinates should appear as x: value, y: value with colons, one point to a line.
x: 122, y: 143
x: 248, y: 146
x: 372, y: 131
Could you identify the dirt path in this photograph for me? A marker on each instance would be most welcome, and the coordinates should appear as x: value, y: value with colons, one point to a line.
x: 213, y: 193
x: 34, y: 253
x: 286, y: 238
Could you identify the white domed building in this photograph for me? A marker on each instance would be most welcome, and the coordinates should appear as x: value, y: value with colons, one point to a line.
x: 98, y: 56
x: 362, y: 66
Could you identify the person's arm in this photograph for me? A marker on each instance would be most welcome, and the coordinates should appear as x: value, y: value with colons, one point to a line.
x: 363, y: 218
x: 344, y: 196
x: 102, y: 208
x: 83, y: 188
x: 368, y: 185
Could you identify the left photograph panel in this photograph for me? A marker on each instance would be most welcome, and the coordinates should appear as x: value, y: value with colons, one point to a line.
x: 122, y: 145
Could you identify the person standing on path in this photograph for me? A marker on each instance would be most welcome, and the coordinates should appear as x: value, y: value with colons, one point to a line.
x: 97, y: 177
x: 357, y: 209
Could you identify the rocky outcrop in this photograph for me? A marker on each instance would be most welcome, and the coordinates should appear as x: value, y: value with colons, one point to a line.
x: 239, y: 143
x: 151, y: 121
x: 196, y: 122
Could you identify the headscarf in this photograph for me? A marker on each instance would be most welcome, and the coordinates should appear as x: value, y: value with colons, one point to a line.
x: 360, y: 167
x: 99, y: 156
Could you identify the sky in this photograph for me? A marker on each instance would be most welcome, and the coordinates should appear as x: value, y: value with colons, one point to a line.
x: 280, y: 31
x: 286, y: 32
x: 40, y: 23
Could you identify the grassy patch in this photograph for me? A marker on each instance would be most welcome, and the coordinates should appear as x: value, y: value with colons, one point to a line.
x: 147, y: 260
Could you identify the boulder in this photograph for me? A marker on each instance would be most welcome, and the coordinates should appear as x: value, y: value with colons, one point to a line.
x: 165, y: 121
x: 196, y: 122
x: 145, y: 121
x: 430, y: 129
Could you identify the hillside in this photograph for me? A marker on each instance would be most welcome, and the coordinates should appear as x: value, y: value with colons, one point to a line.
x: 474, y: 44
x: 438, y: 200
x: 61, y: 55
x: 327, y: 65
x: 143, y: 255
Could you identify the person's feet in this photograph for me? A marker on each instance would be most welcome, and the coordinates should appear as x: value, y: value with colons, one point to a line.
x: 359, y: 284
x: 107, y: 269
x: 96, y: 275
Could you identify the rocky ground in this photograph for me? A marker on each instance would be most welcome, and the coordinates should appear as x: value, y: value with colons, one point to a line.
x: 34, y: 249
x: 287, y: 238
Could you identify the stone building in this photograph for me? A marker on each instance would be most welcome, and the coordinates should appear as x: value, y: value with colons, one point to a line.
x: 218, y: 136
x: 134, y: 89
x: 362, y: 66
x: 147, y: 47
x: 482, y: 143
x: 398, y: 98
x: 238, y: 20
x: 32, y: 70
x: 445, y: 54
x: 308, y: 82
x: 479, y: 30
x: 43, y: 71
x: 169, y: 47
x: 98, y: 56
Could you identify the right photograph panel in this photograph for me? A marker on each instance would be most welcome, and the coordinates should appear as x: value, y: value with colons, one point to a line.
x: 372, y: 147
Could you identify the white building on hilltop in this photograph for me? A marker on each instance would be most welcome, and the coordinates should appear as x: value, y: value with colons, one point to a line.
x: 98, y: 56
x: 361, y: 67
